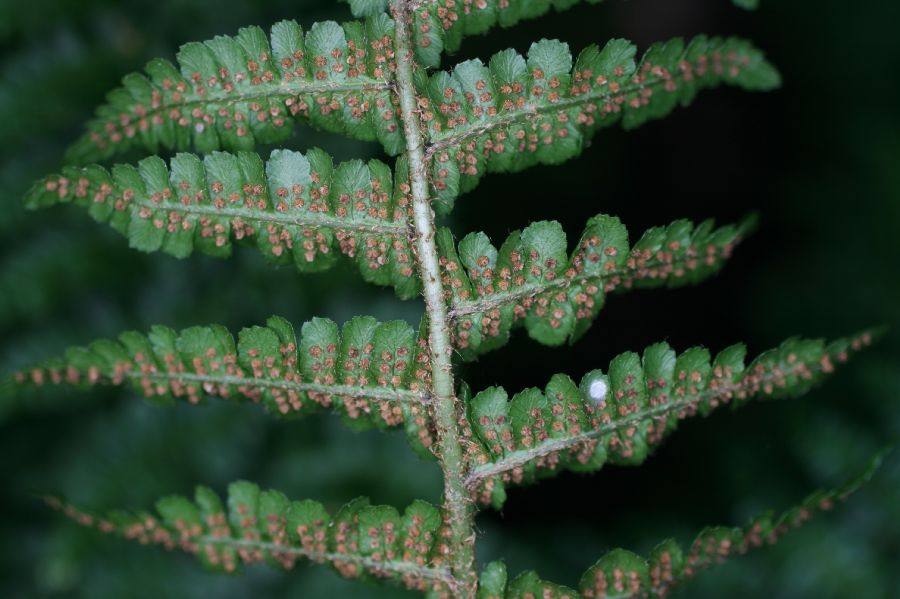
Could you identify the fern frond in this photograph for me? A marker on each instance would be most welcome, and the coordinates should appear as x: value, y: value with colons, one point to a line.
x: 622, y: 415
x: 231, y: 93
x: 374, y: 374
x: 439, y: 26
x: 492, y: 581
x: 515, y: 112
x: 528, y: 584
x: 532, y: 281
x: 622, y: 573
x: 295, y: 208
x: 361, y: 541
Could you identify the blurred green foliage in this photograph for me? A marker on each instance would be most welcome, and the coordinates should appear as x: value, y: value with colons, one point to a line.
x: 818, y: 159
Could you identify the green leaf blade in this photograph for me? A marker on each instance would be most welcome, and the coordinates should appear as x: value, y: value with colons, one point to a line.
x: 622, y: 415
x: 520, y: 112
x: 296, y: 208
x: 532, y: 282
x: 361, y: 541
x: 670, y: 565
x: 373, y: 374
x: 232, y: 93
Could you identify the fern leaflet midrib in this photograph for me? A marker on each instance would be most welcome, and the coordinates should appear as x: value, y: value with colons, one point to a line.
x: 308, y: 219
x: 224, y: 98
x: 397, y: 567
x: 383, y: 393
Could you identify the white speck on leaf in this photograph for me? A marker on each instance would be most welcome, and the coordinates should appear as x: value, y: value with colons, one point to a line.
x: 597, y: 391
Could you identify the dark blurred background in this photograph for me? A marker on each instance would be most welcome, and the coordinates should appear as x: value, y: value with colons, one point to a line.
x: 818, y: 159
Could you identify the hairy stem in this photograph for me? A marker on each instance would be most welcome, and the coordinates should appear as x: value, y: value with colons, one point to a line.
x: 457, y: 505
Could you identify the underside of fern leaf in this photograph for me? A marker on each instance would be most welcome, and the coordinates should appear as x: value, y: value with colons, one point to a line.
x: 295, y: 208
x: 373, y: 80
x: 507, y: 116
x: 373, y: 374
x: 621, y: 574
x: 621, y: 415
x: 231, y: 93
x: 378, y: 375
x: 360, y: 540
x: 439, y: 26
x: 302, y: 209
x: 369, y: 542
x: 532, y: 281
x: 517, y: 112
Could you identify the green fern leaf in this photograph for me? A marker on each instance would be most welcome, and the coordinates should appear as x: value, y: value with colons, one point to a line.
x: 439, y: 26
x: 295, y: 208
x: 532, y: 281
x: 492, y: 582
x: 367, y: 8
x: 622, y: 573
x: 373, y: 374
x: 231, y: 93
x: 528, y: 584
x: 622, y: 415
x: 515, y: 112
x: 360, y: 541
